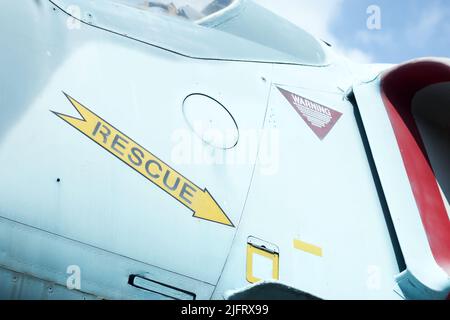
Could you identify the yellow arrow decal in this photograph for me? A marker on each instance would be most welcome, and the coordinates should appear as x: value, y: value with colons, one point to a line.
x: 199, y: 201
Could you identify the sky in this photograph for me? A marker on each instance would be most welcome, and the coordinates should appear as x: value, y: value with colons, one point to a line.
x: 376, y: 31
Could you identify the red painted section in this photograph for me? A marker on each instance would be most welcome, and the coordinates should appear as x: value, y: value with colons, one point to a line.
x: 399, y: 87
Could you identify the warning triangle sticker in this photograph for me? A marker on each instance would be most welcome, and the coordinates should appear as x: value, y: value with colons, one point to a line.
x: 319, y: 118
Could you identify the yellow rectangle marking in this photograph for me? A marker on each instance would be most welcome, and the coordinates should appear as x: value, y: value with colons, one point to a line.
x: 307, y: 247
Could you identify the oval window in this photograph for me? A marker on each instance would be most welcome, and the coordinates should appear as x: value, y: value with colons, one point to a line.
x: 211, y: 121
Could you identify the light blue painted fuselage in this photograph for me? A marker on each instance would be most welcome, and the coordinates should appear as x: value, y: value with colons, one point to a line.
x: 78, y: 220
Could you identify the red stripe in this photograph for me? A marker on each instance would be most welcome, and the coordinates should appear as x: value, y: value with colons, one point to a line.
x: 398, y: 89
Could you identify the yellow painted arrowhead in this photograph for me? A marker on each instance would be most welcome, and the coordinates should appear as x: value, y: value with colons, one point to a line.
x: 205, y: 207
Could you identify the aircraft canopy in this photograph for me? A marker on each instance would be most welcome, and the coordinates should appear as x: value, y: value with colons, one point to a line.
x: 188, y: 9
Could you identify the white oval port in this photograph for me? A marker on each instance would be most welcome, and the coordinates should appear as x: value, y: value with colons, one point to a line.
x: 211, y: 121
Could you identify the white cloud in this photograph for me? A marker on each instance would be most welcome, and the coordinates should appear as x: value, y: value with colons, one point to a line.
x: 427, y: 25
x: 371, y: 37
x: 356, y: 55
x: 315, y: 17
